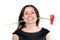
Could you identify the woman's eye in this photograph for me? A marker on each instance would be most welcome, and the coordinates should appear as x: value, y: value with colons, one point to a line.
x: 26, y: 13
x: 32, y: 12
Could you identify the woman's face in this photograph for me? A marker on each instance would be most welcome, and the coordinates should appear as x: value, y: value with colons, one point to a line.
x: 29, y: 15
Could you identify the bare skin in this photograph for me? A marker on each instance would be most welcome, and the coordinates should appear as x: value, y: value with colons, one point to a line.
x: 29, y: 16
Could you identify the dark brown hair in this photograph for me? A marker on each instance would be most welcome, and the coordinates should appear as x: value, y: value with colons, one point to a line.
x: 22, y: 24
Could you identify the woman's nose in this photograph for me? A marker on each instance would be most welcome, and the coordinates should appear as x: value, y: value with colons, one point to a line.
x: 30, y: 15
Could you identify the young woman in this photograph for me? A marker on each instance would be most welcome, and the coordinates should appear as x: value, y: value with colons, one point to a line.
x: 29, y: 29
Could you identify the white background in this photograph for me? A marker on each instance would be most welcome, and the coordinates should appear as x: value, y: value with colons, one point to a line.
x: 10, y: 9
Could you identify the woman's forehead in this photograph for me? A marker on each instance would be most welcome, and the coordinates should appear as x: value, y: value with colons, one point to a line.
x: 29, y: 9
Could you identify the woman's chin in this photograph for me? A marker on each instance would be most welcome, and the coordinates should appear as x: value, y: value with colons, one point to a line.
x: 31, y: 22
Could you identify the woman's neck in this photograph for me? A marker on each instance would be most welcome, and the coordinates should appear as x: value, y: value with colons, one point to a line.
x: 31, y: 26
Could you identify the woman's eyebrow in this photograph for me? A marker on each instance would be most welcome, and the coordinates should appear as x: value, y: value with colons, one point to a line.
x: 32, y: 10
x: 26, y: 11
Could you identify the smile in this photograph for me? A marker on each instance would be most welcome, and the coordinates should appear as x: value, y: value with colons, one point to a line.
x: 29, y: 18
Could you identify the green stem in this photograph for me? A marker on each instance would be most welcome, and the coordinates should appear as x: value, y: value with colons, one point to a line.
x: 23, y: 21
x: 44, y: 18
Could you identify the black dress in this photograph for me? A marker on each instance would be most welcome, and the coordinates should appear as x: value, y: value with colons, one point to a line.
x: 40, y: 35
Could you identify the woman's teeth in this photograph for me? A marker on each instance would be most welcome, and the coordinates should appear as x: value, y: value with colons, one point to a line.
x: 30, y: 18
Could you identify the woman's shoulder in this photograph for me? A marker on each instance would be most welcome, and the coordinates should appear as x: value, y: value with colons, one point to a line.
x: 17, y: 32
x: 45, y: 31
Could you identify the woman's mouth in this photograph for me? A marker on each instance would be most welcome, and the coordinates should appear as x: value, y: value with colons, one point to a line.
x: 29, y: 18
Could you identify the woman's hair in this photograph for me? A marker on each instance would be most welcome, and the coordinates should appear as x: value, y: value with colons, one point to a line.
x: 22, y: 24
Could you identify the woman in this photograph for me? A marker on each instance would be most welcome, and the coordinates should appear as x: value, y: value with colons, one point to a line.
x: 29, y: 30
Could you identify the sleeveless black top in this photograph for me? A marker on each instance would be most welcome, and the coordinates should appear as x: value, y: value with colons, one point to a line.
x: 40, y: 35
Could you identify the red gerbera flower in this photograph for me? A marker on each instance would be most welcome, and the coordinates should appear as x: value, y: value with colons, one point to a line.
x: 51, y: 18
